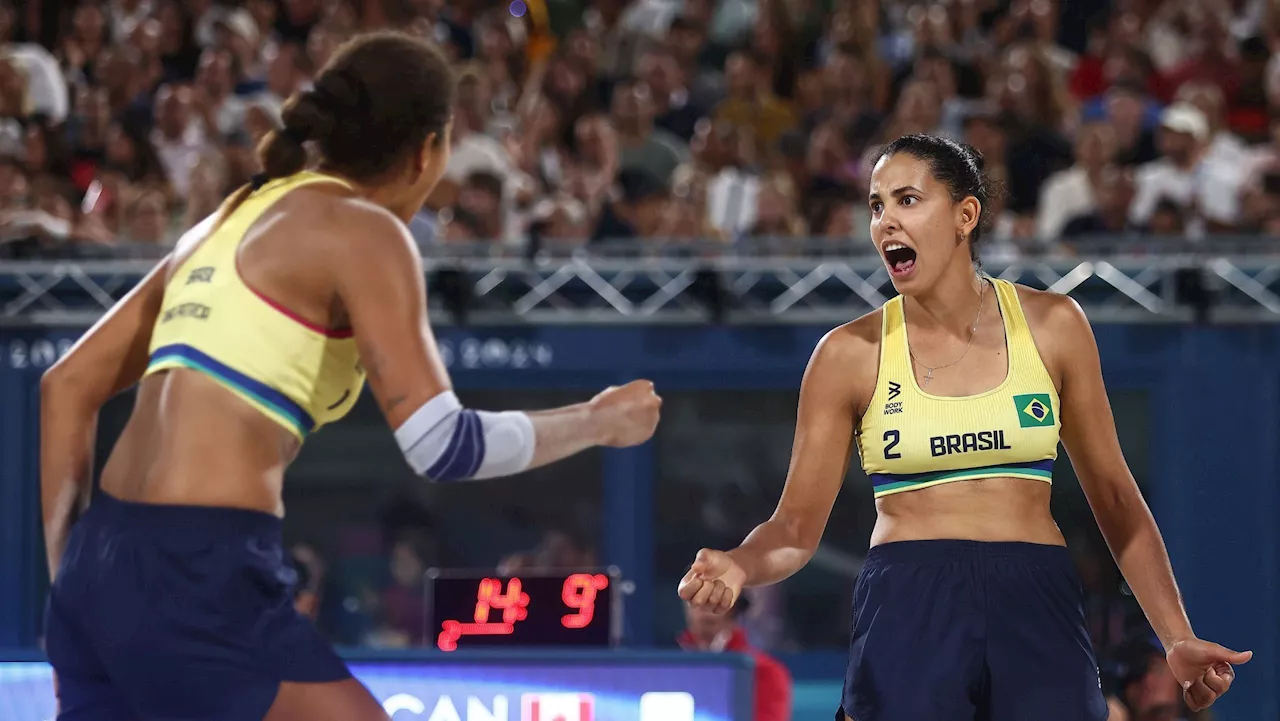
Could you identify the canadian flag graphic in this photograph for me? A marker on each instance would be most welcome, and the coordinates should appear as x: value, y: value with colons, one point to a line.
x: 557, y: 707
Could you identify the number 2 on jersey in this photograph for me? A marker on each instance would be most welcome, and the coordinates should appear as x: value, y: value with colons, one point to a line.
x: 891, y: 438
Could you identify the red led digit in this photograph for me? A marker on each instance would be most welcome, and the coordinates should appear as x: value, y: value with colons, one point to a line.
x: 579, y: 592
x: 488, y: 589
x: 489, y: 595
x: 514, y: 603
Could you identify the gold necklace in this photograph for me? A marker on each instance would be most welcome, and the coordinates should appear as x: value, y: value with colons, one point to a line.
x: 928, y: 374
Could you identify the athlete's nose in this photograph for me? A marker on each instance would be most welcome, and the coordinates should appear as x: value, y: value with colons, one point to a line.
x: 889, y: 221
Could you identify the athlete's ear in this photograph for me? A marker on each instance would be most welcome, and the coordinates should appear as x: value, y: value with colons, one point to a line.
x: 968, y: 212
x: 423, y: 159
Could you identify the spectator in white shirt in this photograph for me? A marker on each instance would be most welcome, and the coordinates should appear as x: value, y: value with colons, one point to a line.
x: 473, y: 149
x: 214, y: 92
x: 1070, y: 193
x: 179, y: 135
x: 1225, y: 147
x: 1207, y: 192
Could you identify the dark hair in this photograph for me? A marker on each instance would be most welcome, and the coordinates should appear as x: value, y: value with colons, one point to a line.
x: 376, y: 101
x: 959, y: 166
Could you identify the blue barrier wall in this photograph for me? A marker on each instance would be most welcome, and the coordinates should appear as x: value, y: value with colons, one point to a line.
x: 620, y: 686
x: 1214, y: 454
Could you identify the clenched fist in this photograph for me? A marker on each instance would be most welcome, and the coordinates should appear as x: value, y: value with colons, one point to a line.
x: 1204, y: 670
x: 627, y: 415
x: 713, y: 582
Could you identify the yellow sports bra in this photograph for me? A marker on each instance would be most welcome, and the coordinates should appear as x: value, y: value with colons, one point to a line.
x: 909, y: 439
x: 299, y: 375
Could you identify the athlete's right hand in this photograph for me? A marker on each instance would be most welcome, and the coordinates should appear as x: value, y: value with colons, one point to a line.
x: 626, y: 415
x: 713, y: 582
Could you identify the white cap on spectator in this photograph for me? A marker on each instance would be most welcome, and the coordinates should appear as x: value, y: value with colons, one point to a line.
x: 240, y: 22
x: 1186, y: 118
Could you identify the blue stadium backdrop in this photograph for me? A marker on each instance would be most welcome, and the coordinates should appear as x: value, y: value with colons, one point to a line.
x: 1197, y: 407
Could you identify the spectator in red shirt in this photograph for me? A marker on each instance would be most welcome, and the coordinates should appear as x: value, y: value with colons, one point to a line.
x: 716, y: 633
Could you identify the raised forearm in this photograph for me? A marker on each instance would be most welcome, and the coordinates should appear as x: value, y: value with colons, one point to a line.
x: 771, y: 553
x: 563, y: 432
x: 1139, y: 550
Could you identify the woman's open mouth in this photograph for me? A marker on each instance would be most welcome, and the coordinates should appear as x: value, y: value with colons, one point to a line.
x: 900, y: 259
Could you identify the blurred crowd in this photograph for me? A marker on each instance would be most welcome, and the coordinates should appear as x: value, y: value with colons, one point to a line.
x: 585, y: 121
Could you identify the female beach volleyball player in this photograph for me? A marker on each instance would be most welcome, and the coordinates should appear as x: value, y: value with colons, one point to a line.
x: 171, y: 597
x: 967, y: 606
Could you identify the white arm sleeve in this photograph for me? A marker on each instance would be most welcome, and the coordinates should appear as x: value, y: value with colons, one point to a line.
x: 442, y: 441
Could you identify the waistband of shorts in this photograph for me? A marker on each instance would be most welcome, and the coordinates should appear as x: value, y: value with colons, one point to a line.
x: 950, y: 551
x: 188, y: 520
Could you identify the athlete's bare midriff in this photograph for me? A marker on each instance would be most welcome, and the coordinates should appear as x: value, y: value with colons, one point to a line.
x: 190, y: 441
x: 990, y: 509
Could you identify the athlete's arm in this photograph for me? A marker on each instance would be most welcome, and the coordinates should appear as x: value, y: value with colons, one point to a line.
x: 107, y: 359
x: 379, y: 279
x: 820, y: 454
x: 1089, y: 435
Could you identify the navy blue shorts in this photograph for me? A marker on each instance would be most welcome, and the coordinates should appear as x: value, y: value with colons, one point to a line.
x: 177, y: 612
x: 970, y: 631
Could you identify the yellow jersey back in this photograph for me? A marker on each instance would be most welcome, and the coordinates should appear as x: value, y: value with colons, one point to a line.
x: 909, y: 439
x: 297, y: 374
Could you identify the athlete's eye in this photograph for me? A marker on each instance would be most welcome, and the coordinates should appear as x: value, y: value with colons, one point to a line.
x: 876, y: 206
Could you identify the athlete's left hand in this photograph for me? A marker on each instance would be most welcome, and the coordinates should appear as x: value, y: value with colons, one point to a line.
x: 1204, y: 670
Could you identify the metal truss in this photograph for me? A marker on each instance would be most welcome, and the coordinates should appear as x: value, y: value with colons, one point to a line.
x: 486, y: 291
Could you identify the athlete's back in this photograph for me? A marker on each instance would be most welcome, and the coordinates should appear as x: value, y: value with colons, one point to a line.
x: 172, y: 593
x: 247, y: 352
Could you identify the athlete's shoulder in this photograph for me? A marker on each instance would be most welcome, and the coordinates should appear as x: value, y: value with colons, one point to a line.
x: 1060, y: 329
x: 845, y: 363
x: 358, y: 231
x: 1051, y: 312
x: 853, y: 342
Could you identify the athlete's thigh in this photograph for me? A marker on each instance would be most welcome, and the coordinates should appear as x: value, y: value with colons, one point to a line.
x: 346, y: 700
x: 917, y: 624
x: 81, y: 684
x: 1039, y: 657
x: 90, y: 698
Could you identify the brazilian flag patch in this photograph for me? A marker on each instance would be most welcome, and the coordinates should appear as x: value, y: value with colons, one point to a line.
x: 1035, y: 410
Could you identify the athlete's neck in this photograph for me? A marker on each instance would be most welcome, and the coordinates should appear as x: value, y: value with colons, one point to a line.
x: 386, y: 196
x: 951, y: 304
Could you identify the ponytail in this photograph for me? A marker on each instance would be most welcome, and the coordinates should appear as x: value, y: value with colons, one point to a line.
x: 374, y: 104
